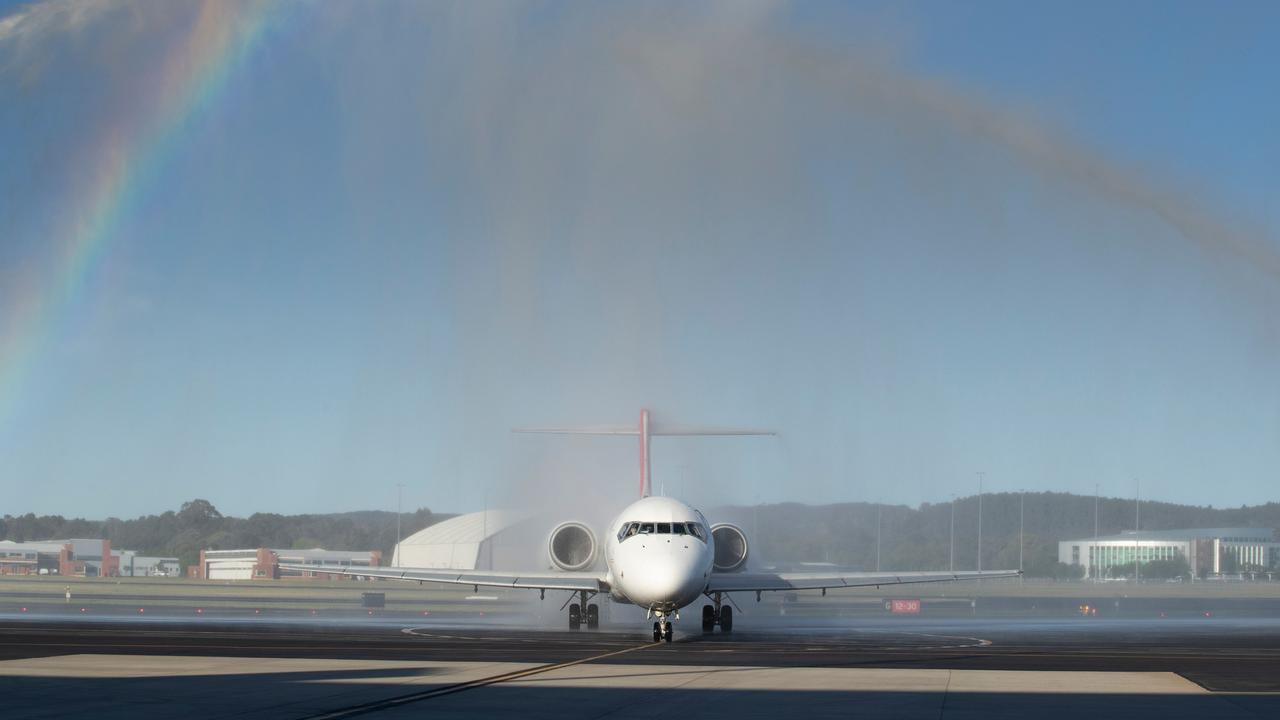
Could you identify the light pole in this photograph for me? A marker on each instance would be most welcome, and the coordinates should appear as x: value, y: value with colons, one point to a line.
x: 1022, y: 495
x: 399, y: 504
x: 1137, y: 527
x: 981, y: 477
x: 1096, y: 553
x: 755, y: 519
x: 877, y: 537
x: 952, y: 564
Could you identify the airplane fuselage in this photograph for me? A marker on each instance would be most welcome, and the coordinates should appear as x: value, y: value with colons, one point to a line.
x: 659, y: 554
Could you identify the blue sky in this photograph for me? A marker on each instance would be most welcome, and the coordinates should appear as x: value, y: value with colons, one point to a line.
x: 918, y: 240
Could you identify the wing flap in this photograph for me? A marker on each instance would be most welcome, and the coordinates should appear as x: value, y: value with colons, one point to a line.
x: 768, y: 582
x: 591, y: 582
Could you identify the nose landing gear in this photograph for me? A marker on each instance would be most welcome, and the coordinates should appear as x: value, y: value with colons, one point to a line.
x: 663, y: 630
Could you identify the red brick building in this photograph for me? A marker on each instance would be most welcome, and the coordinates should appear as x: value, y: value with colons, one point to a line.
x: 77, y: 557
x: 264, y: 563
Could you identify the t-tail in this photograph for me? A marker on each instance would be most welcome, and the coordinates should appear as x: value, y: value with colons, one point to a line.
x: 645, y: 430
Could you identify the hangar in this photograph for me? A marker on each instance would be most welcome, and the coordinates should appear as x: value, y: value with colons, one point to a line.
x: 475, y: 541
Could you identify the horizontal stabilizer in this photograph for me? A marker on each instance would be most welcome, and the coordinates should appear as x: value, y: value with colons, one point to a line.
x: 645, y: 430
x: 594, y: 430
x: 654, y: 429
x: 725, y: 431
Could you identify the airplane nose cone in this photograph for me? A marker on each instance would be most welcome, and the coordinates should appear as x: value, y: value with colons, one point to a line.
x: 661, y: 583
x: 660, y: 573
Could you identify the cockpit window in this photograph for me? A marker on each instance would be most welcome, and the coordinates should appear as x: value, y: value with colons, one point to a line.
x: 679, y: 528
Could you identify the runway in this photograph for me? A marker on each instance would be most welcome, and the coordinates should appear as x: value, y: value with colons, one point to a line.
x: 899, y: 668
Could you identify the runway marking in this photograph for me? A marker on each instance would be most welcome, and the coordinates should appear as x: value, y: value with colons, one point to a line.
x: 966, y: 643
x: 977, y: 642
x: 415, y: 631
x: 461, y: 687
x: 602, y: 639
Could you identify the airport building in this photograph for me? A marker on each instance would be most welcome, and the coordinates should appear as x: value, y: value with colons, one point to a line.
x: 479, y: 540
x: 80, y: 557
x: 1207, y: 551
x: 264, y: 563
x: 131, y: 564
x: 34, y: 558
x: 76, y: 557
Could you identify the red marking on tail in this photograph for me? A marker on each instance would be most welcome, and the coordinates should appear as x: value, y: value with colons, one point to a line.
x: 644, y: 453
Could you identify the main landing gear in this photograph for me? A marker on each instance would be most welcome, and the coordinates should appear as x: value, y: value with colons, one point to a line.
x: 662, y: 630
x: 577, y: 615
x: 717, y: 615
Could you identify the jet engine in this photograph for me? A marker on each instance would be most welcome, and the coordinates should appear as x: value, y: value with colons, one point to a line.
x: 572, y: 546
x: 731, y: 547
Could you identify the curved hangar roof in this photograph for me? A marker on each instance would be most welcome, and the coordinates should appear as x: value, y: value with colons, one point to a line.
x: 455, y: 543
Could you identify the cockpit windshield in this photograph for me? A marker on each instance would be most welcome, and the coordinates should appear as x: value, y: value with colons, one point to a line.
x: 662, y: 528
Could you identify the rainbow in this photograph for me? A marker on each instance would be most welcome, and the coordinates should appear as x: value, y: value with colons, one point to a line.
x: 123, y: 163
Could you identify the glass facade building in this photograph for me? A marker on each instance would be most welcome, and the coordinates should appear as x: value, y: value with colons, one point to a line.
x: 1205, y: 550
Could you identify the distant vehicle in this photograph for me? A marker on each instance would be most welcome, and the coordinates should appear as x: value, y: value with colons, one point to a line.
x: 660, y: 554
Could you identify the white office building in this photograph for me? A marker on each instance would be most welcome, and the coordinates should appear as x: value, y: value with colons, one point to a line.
x: 1207, y: 551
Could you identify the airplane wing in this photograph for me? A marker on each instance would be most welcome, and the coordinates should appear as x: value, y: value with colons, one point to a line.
x: 763, y: 582
x: 589, y: 581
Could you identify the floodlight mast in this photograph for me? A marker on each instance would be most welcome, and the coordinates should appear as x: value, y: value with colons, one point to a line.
x: 645, y: 431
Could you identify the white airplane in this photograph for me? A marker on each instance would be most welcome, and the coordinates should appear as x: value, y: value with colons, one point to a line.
x: 659, y: 554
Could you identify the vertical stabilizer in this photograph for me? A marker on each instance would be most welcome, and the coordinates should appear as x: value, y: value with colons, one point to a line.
x: 645, y: 431
x: 644, y: 454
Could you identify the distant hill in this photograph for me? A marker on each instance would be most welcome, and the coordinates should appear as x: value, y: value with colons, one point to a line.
x: 919, y: 538
x: 844, y: 533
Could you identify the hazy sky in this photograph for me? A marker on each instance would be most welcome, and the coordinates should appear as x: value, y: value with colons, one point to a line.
x: 284, y: 256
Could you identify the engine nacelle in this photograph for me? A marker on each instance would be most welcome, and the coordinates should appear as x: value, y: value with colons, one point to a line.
x: 572, y: 546
x: 731, y: 547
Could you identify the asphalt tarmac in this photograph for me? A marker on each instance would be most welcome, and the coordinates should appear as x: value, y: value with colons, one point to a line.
x: 901, y: 667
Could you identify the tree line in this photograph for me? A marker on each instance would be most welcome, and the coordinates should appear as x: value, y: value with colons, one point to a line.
x: 843, y: 534
x: 920, y: 538
x: 198, y: 525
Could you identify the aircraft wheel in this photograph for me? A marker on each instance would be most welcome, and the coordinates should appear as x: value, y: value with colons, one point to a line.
x: 726, y: 619
x: 657, y: 632
x: 668, y: 632
x: 575, y: 616
x: 708, y: 618
x: 593, y: 616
